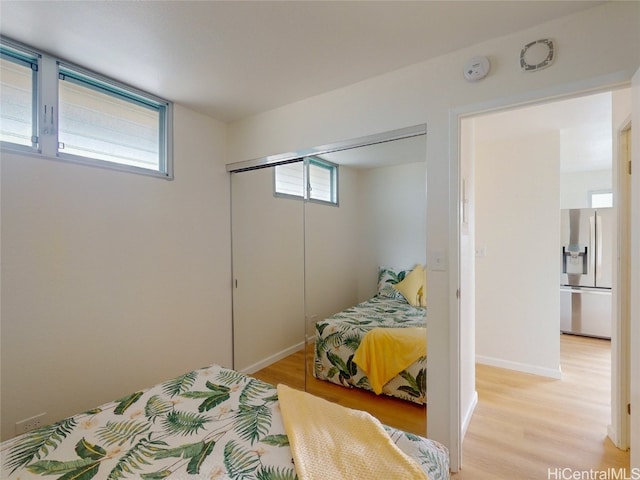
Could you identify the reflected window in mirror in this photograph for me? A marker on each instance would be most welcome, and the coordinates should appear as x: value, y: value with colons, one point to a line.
x: 289, y: 180
x: 298, y: 264
x: 312, y: 179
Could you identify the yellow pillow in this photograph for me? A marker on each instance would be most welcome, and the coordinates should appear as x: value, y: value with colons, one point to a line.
x: 413, y: 287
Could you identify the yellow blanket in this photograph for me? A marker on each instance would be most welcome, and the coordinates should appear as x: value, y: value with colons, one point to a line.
x: 332, y: 442
x: 385, y: 352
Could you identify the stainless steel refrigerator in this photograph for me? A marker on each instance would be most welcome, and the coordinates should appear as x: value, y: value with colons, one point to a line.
x: 585, y: 271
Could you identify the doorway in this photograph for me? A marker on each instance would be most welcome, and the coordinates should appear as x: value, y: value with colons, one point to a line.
x: 508, y: 248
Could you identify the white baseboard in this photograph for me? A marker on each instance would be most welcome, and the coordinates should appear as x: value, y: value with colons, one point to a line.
x: 520, y: 367
x: 468, y: 414
x: 613, y: 436
x: 271, y: 359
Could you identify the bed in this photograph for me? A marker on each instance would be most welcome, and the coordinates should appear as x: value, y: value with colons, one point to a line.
x: 211, y: 423
x: 339, y: 337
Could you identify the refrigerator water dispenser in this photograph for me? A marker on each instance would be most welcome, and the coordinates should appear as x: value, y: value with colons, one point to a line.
x: 574, y: 262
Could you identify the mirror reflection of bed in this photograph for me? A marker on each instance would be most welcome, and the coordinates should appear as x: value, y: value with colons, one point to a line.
x: 297, y: 264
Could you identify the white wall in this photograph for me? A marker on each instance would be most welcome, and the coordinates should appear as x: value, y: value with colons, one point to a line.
x: 575, y: 187
x: 596, y: 47
x: 518, y: 226
x: 331, y: 252
x: 393, y: 224
x: 112, y: 281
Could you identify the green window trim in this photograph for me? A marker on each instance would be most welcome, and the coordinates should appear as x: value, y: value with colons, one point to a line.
x: 309, y: 182
x: 24, y: 58
x: 132, y: 132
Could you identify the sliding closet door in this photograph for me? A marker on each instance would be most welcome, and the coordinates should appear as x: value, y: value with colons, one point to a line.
x: 379, y: 220
x: 268, y: 271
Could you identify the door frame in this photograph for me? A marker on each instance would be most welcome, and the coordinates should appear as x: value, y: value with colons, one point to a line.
x: 619, y: 430
x: 635, y: 281
x: 456, y: 115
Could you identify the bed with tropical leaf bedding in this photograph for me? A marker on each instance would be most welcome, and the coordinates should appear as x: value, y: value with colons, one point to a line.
x: 212, y: 423
x: 395, y: 306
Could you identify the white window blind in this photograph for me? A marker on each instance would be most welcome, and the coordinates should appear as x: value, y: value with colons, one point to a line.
x: 313, y: 179
x: 60, y: 110
x: 320, y: 181
x: 100, y: 122
x: 290, y: 179
x: 18, y: 77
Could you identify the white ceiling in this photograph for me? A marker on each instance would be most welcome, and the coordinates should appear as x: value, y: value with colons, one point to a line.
x: 232, y: 59
x: 584, y: 125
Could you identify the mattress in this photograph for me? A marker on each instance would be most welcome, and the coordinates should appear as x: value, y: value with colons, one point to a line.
x: 339, y: 336
x: 211, y: 423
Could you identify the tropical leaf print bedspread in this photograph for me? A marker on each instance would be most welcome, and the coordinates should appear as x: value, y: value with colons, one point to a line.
x: 338, y: 337
x: 212, y: 423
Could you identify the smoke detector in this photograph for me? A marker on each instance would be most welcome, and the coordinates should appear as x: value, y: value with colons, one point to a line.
x: 476, y: 68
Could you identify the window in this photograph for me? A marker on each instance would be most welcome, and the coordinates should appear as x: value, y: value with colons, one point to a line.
x: 601, y: 199
x: 18, y: 81
x: 290, y: 179
x: 84, y: 117
x: 102, y: 122
x: 319, y: 176
x: 321, y: 181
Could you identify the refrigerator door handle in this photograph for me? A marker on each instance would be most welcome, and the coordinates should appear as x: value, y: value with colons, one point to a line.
x: 598, y: 250
x: 593, y: 244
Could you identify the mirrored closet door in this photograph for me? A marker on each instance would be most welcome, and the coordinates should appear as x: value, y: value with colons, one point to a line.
x: 297, y: 263
x: 268, y: 275
x: 380, y: 222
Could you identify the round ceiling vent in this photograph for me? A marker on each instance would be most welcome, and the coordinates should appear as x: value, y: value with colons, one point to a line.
x: 537, y: 55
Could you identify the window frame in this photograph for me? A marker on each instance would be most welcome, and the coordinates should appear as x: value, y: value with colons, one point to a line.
x: 46, y: 89
x: 290, y: 196
x: 21, y: 54
x: 306, y: 162
x: 333, y: 172
x: 606, y: 191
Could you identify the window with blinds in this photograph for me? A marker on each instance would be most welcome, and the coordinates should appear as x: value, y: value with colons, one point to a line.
x: 64, y: 111
x: 312, y: 179
x: 18, y: 80
x: 322, y: 181
x: 103, y: 122
x: 289, y: 179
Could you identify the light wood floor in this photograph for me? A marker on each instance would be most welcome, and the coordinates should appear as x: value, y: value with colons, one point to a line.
x: 523, y: 424
x: 398, y: 413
